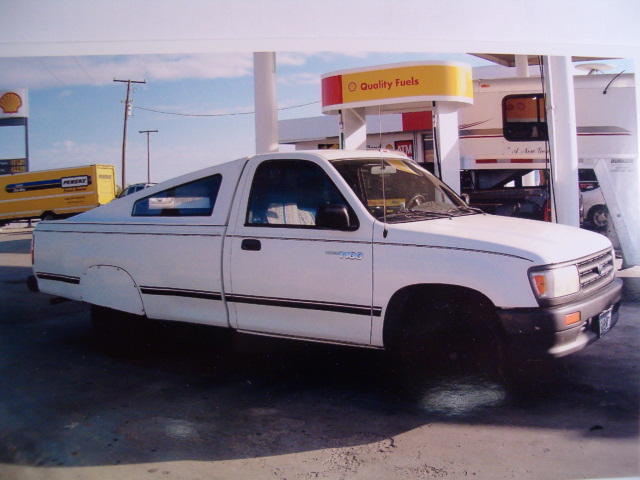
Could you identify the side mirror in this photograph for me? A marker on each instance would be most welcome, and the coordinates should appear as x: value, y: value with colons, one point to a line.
x: 334, y: 217
x: 466, y: 198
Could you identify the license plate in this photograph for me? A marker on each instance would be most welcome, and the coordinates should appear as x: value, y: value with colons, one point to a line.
x: 604, y: 321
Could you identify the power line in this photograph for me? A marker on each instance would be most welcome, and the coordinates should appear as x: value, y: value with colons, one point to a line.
x: 51, y: 72
x: 193, y: 114
x: 86, y: 72
x: 230, y: 114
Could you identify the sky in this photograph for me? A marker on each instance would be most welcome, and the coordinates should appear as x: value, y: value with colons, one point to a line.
x: 76, y: 109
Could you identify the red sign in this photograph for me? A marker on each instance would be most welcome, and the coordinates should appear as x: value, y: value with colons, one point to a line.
x: 416, y: 121
x: 405, y: 146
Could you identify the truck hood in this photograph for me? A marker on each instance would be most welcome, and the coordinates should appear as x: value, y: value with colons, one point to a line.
x: 536, y: 241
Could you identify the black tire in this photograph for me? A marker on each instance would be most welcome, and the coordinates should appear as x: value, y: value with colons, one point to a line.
x: 598, y: 216
x: 449, y: 331
x: 116, y: 327
x: 46, y: 216
x: 32, y: 284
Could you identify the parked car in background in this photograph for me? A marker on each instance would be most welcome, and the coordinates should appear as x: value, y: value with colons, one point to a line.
x: 522, y: 193
x: 136, y: 187
x: 595, y: 213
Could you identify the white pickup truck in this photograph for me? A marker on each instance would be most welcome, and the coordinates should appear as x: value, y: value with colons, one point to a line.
x: 361, y: 248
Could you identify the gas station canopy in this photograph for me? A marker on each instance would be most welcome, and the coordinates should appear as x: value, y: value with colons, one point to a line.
x: 509, y: 60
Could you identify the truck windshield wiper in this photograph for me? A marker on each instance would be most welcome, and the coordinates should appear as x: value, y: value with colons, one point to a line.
x: 416, y: 215
x: 467, y: 208
x: 433, y: 213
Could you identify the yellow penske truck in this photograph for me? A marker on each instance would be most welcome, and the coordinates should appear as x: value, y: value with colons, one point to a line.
x: 59, y: 193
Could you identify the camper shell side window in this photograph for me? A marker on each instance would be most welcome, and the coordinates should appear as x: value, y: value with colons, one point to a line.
x: 196, y: 198
x: 523, y: 117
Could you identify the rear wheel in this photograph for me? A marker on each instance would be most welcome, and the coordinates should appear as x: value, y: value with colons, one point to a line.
x: 116, y: 327
x: 598, y: 216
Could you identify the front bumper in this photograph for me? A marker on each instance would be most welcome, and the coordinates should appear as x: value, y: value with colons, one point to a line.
x: 542, y: 331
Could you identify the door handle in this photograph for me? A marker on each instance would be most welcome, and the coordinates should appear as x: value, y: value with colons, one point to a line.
x: 251, y: 244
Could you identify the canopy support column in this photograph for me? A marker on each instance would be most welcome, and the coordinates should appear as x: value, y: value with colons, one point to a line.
x: 561, y: 121
x: 264, y: 85
x: 353, y: 129
x: 522, y: 65
x: 448, y: 143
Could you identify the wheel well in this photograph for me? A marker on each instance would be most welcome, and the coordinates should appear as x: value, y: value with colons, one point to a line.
x: 111, y: 287
x: 462, y: 300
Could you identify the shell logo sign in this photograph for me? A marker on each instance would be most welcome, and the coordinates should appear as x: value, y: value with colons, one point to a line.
x: 397, y: 86
x: 10, y: 102
x: 13, y: 103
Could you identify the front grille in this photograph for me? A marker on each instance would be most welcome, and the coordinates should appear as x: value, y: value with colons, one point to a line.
x: 597, y: 270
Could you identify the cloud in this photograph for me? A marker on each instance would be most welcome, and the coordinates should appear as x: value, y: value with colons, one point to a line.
x: 167, y: 161
x: 67, y: 145
x: 43, y: 72
x: 61, y: 72
x: 329, y: 57
x: 291, y: 59
x: 68, y: 153
x: 302, y: 78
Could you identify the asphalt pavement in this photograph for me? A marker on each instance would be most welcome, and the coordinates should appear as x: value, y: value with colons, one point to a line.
x: 189, y: 402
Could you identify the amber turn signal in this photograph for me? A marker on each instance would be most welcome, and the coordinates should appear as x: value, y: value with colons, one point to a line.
x: 572, y: 318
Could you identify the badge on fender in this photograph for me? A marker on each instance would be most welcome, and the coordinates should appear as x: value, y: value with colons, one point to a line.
x: 347, y: 255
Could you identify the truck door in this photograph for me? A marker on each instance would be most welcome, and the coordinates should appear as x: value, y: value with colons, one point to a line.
x: 290, y: 276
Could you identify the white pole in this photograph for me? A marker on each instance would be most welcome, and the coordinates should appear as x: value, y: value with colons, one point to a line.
x: 354, y: 129
x: 522, y: 65
x: 266, y: 105
x: 632, y: 207
x: 448, y: 141
x: 561, y: 121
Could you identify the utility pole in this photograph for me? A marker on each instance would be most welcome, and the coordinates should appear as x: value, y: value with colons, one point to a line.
x: 127, y: 113
x: 148, y: 154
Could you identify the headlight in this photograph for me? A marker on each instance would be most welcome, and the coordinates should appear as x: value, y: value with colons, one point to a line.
x: 555, y: 282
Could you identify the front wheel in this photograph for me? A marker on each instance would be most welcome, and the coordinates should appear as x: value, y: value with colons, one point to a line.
x: 452, y: 333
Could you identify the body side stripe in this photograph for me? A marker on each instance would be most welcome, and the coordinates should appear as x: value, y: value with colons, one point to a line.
x: 267, y: 301
x: 452, y: 248
x: 58, y: 278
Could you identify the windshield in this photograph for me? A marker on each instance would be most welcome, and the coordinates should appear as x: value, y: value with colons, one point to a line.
x: 409, y: 192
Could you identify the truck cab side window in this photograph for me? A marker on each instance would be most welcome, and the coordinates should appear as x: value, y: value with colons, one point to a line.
x: 195, y: 198
x: 524, y: 118
x: 293, y: 193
